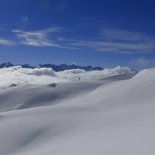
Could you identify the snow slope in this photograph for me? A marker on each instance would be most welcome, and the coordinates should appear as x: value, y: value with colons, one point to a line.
x: 114, y: 119
x: 22, y: 88
x: 21, y: 97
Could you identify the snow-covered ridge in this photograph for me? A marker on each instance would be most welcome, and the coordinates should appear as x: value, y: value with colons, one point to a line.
x: 113, y: 119
x: 84, y: 113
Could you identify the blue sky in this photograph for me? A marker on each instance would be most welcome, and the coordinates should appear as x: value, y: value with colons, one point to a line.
x: 87, y: 32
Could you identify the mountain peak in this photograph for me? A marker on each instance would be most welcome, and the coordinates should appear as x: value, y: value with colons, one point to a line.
x: 56, y: 68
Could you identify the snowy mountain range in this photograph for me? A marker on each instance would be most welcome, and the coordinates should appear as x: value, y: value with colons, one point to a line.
x: 56, y: 68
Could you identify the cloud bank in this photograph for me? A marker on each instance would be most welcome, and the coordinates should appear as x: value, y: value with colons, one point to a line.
x: 38, y: 76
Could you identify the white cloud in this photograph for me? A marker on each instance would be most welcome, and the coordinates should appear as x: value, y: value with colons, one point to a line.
x: 117, y: 47
x: 36, y: 38
x: 118, y: 41
x: 143, y: 62
x: 24, y: 19
x: 38, y: 42
x: 140, y: 61
x: 124, y: 35
x: 7, y: 42
x: 24, y: 76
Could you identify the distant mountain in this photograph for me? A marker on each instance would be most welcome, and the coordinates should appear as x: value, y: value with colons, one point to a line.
x: 8, y: 64
x: 63, y: 67
x: 56, y: 68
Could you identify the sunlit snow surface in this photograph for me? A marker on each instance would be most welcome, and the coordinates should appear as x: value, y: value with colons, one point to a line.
x: 76, y: 112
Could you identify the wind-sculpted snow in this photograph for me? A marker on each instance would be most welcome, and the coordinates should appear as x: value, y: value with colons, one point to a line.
x: 84, y: 113
x: 22, y: 97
